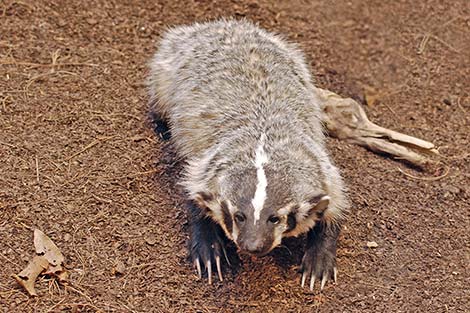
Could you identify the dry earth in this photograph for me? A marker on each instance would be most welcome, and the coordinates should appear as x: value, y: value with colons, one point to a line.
x: 79, y: 160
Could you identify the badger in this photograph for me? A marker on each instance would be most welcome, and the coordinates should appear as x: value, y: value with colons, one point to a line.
x: 244, y: 116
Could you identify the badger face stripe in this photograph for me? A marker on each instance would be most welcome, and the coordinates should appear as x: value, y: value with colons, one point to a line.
x: 260, y: 194
x: 226, y: 216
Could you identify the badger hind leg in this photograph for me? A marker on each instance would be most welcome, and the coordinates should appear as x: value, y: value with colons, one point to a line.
x: 319, y: 261
x: 206, y: 244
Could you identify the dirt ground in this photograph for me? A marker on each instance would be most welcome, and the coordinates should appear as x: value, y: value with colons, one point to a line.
x: 79, y: 160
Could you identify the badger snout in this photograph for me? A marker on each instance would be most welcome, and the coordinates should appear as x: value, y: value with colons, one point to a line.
x: 255, y: 247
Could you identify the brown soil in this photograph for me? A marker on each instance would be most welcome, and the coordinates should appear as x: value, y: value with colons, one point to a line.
x: 80, y: 161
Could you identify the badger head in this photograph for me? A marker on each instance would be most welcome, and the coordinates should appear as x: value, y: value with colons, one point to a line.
x: 259, y: 201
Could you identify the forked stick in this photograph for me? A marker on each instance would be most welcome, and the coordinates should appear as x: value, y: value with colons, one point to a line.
x: 346, y: 119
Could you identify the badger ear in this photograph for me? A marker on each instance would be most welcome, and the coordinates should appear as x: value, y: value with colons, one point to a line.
x: 319, y: 204
x: 204, y: 199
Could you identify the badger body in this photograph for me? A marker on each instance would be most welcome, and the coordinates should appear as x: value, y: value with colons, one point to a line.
x: 244, y: 115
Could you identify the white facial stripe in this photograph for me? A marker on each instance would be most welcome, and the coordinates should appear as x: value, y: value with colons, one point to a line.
x: 235, y: 233
x: 260, y: 195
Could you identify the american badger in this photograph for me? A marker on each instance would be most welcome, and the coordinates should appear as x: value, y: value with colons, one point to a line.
x: 244, y: 115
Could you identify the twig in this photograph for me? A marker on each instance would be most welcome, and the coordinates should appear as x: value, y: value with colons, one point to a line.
x: 91, y: 145
x: 55, y: 305
x: 244, y: 303
x: 425, y: 178
x: 46, y: 64
x: 37, y: 170
x: 43, y: 75
x: 75, y: 289
x: 423, y: 43
x: 4, y: 101
x: 8, y: 259
x: 113, y: 114
x: 445, y: 43
x: 95, y: 308
x: 139, y: 266
x: 7, y: 144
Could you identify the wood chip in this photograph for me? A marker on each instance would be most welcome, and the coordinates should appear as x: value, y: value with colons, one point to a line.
x: 119, y: 268
x: 346, y: 119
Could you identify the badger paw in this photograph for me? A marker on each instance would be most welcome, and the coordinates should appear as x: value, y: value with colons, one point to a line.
x: 318, y: 266
x: 319, y: 261
x: 207, y: 248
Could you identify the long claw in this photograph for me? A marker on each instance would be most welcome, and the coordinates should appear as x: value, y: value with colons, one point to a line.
x: 226, y: 257
x: 219, y: 269
x: 209, y: 271
x: 323, y: 282
x: 304, y: 276
x: 335, y: 274
x: 312, y: 281
x: 198, y: 267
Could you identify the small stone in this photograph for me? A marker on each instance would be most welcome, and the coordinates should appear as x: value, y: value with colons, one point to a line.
x: 67, y: 237
x: 150, y: 240
x: 119, y: 268
x: 91, y: 21
x: 372, y: 244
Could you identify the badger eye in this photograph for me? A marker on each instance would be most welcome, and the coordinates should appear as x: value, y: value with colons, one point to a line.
x: 240, y: 217
x: 274, y: 219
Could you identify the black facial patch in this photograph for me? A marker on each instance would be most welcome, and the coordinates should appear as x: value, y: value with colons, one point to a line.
x: 205, y: 196
x: 227, y: 217
x: 291, y: 220
x: 314, y: 200
x: 202, y: 199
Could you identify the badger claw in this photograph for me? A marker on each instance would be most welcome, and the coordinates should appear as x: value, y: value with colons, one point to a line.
x: 321, y: 267
x: 319, y: 261
x: 207, y: 248
x: 323, y: 282
x: 198, y: 268
x: 219, y: 268
x: 209, y: 271
x: 312, y: 281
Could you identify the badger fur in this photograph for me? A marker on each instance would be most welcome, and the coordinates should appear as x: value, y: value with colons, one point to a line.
x: 244, y: 115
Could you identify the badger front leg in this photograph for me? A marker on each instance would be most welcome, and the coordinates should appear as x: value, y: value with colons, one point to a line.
x: 319, y: 261
x: 207, y: 244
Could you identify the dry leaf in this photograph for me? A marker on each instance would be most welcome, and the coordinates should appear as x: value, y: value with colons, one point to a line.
x: 27, y: 277
x: 44, y: 246
x: 48, y: 261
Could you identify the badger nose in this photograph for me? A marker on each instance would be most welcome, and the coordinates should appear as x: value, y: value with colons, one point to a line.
x: 254, y: 247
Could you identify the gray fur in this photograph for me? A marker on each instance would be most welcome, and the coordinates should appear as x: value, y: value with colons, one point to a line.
x: 222, y: 86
